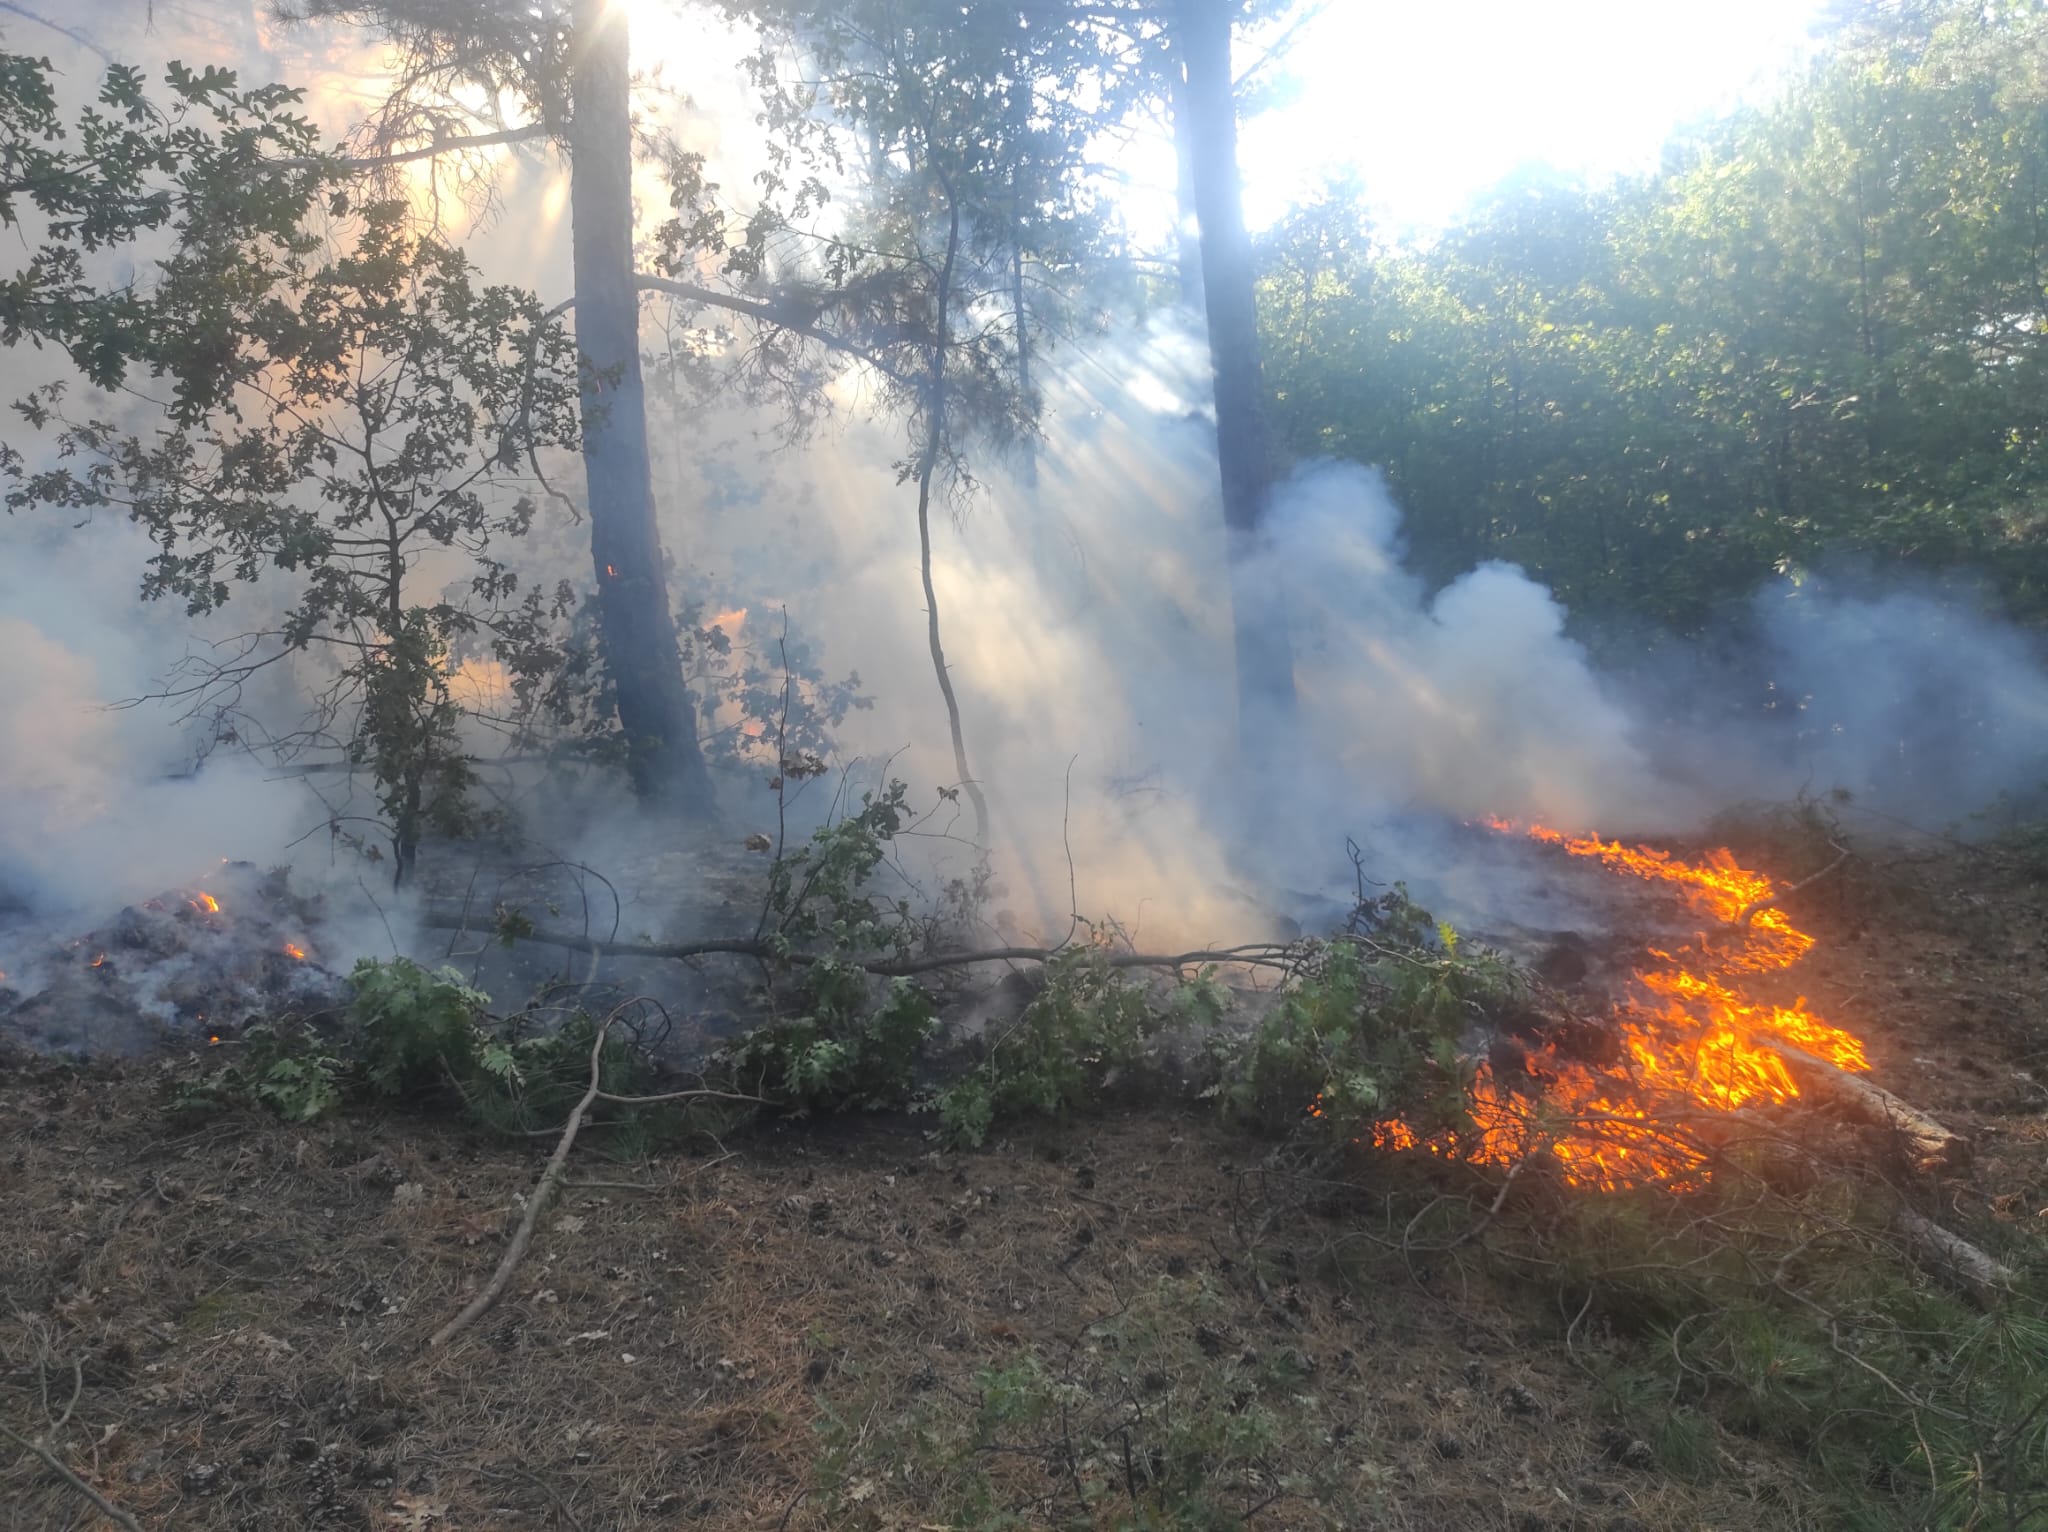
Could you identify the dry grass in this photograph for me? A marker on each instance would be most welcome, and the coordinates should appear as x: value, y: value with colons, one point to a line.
x: 247, y: 1307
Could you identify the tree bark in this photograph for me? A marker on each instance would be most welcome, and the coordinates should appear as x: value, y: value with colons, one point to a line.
x: 1187, y: 241
x: 1265, y: 662
x: 642, y: 657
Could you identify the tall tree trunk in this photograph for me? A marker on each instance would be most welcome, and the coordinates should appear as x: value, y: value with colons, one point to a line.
x: 1265, y: 660
x: 1187, y: 239
x: 1027, y: 472
x: 642, y: 657
x: 934, y: 444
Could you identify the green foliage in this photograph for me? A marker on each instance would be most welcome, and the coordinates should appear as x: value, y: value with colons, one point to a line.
x: 842, y: 1048
x: 418, y: 1038
x: 1369, y: 1032
x: 219, y: 165
x: 1815, y: 330
x: 845, y: 1052
x: 297, y: 1083
x: 416, y: 1027
x: 357, y: 413
x: 1084, y: 1024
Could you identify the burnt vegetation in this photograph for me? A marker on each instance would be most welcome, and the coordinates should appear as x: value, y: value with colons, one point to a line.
x: 876, y: 1207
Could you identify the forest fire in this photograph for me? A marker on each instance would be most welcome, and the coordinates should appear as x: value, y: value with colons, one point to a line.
x: 1691, y: 1039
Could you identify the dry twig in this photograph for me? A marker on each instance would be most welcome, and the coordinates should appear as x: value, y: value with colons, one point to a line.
x: 543, y: 1190
x: 1744, y: 915
x: 106, y: 1507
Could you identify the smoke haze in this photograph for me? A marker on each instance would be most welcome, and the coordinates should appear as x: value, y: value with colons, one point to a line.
x: 1087, y: 625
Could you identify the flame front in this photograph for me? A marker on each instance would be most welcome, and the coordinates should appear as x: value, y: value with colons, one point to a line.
x: 1691, y: 1038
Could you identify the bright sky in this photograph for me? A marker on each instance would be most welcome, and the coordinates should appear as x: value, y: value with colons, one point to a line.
x: 1434, y: 102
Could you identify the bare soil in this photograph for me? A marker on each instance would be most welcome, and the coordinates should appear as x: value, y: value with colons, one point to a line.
x: 230, y: 1323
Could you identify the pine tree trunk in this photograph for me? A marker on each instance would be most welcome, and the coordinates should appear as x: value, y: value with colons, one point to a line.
x: 1265, y: 661
x: 656, y: 710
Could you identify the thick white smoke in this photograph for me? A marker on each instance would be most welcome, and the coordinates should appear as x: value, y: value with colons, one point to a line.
x: 1087, y: 627
x: 100, y: 804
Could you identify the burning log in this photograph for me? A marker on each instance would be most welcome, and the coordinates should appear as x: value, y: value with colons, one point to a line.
x: 1931, y: 1146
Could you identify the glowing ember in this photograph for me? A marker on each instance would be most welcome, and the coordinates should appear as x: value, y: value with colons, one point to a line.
x: 100, y: 961
x: 295, y: 952
x: 206, y: 904
x: 1691, y: 1038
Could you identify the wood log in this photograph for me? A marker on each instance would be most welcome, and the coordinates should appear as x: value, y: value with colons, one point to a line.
x: 1979, y: 1273
x: 1929, y: 1144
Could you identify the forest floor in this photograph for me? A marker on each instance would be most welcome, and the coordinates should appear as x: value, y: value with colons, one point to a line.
x: 828, y: 1324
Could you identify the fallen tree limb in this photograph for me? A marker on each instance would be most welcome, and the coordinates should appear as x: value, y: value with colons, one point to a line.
x: 543, y: 1190
x: 1743, y: 915
x: 1256, y: 954
x: 106, y: 1507
x: 1981, y: 1273
x: 1933, y: 1145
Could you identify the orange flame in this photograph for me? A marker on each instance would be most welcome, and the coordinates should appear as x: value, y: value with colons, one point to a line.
x: 1691, y: 1038
x: 295, y: 952
x: 99, y: 961
x: 206, y: 904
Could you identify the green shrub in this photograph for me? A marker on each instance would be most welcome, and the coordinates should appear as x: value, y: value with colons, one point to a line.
x: 1369, y: 1031
x: 414, y: 1029
x: 1086, y: 1023
x: 839, y: 1055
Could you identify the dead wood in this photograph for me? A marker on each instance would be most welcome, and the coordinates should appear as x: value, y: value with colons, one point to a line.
x: 1748, y: 911
x: 1254, y: 954
x: 1932, y: 1145
x: 1983, y: 1275
x: 106, y: 1507
x: 543, y: 1190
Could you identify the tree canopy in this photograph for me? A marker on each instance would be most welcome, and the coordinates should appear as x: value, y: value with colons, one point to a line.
x: 1815, y: 332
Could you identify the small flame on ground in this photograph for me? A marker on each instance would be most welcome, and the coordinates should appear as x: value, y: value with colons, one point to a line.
x: 295, y: 952
x: 1691, y: 1037
x: 99, y: 961
x: 206, y: 904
